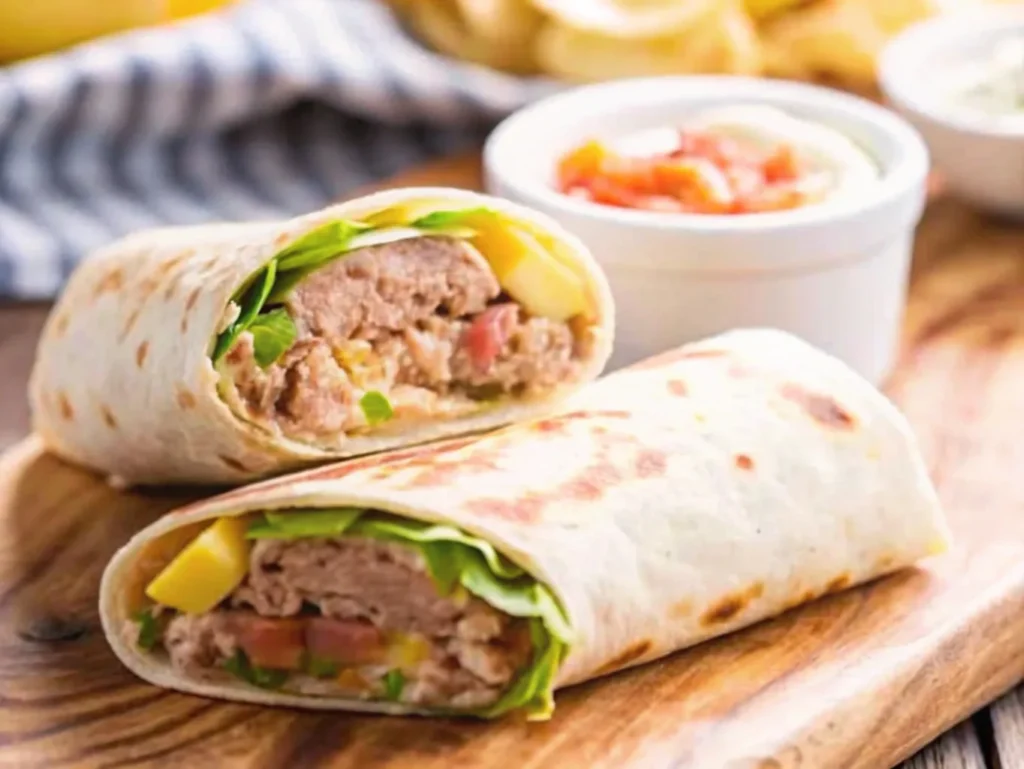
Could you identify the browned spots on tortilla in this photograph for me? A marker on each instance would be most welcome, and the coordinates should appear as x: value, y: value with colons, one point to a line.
x: 556, y: 423
x: 129, y: 323
x: 112, y: 281
x: 184, y: 324
x: 140, y: 354
x: 443, y: 472
x: 64, y: 405
x: 806, y: 597
x: 650, y: 463
x: 108, y: 416
x: 730, y: 606
x: 591, y: 484
x: 704, y: 353
x: 681, y: 609
x: 839, y: 583
x: 186, y: 400
x: 822, y: 408
x: 60, y: 326
x: 744, y: 461
x: 169, y: 291
x: 169, y: 264
x: 739, y: 371
x: 885, y: 561
x: 674, y: 356
x: 193, y: 297
x: 630, y: 654
x: 148, y: 286
x: 233, y: 463
x: 678, y: 388
x: 524, y: 510
x: 282, y: 240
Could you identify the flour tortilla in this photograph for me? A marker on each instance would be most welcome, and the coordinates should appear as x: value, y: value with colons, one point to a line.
x: 123, y: 381
x: 678, y: 500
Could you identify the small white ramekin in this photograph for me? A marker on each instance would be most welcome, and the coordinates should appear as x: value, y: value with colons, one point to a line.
x: 834, y: 274
x: 981, y: 163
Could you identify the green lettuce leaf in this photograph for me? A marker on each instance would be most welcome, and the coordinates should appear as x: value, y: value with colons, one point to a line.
x: 319, y: 246
x: 265, y: 678
x: 303, y: 523
x: 376, y: 407
x: 251, y: 301
x: 272, y: 334
x: 439, y: 220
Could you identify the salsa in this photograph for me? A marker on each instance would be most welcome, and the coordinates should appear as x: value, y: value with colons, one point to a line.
x: 703, y: 173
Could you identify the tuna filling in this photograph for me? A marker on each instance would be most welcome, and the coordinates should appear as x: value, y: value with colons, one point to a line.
x: 355, y: 617
x: 422, y: 321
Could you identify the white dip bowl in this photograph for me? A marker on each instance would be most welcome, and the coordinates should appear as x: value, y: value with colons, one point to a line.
x: 834, y: 273
x: 981, y: 161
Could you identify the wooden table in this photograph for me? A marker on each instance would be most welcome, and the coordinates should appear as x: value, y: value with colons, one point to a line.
x: 993, y: 738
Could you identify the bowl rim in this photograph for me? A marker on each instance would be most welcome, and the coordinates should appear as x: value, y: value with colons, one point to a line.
x: 907, y: 51
x: 899, y: 178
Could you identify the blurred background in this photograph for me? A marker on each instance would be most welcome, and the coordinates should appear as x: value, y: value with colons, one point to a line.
x: 127, y: 114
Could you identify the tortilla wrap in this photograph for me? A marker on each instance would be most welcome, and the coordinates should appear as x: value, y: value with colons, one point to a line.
x: 680, y: 499
x: 125, y: 380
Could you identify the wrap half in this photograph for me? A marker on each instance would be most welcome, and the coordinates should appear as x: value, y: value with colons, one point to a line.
x: 675, y: 501
x: 225, y: 353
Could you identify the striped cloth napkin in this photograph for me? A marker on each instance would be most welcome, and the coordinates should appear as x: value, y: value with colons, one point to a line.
x: 273, y: 108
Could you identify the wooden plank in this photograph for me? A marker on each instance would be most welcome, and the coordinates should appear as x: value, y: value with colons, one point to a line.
x: 858, y: 681
x: 958, y: 748
x: 1008, y: 730
x: 20, y: 325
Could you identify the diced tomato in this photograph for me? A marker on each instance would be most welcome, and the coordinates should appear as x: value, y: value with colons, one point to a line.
x: 346, y: 642
x: 277, y: 643
x: 581, y: 163
x: 781, y: 166
x: 488, y: 333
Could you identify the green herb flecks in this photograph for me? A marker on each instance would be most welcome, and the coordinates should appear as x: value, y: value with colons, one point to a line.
x: 265, y: 678
x: 376, y: 408
x: 321, y: 668
x: 272, y: 334
x: 149, y: 630
x: 394, y: 683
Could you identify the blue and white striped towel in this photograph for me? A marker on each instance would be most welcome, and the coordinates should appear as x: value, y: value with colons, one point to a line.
x: 273, y: 108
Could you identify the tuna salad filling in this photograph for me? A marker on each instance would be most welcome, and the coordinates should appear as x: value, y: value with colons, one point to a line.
x: 361, y: 605
x: 397, y: 323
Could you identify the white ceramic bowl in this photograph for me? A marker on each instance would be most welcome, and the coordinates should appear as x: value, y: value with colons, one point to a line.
x: 834, y: 274
x: 984, y: 164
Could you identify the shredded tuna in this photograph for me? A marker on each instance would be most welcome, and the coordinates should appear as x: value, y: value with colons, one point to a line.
x: 408, y: 319
x: 472, y: 651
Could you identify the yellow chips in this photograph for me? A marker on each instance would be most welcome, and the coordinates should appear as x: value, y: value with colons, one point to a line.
x: 495, y: 33
x: 589, y: 40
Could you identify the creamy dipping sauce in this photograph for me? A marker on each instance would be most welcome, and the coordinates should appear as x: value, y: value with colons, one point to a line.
x: 739, y: 159
x: 990, y: 87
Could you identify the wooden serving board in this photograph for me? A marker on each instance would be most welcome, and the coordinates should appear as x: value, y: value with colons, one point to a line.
x: 858, y: 680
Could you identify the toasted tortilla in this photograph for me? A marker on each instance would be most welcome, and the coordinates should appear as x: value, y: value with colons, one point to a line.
x: 686, y: 497
x: 124, y: 382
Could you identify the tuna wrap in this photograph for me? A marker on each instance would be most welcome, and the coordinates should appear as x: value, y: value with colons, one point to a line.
x: 678, y: 500
x: 221, y: 354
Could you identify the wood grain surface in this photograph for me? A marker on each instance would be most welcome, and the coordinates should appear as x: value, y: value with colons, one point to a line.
x: 861, y: 679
